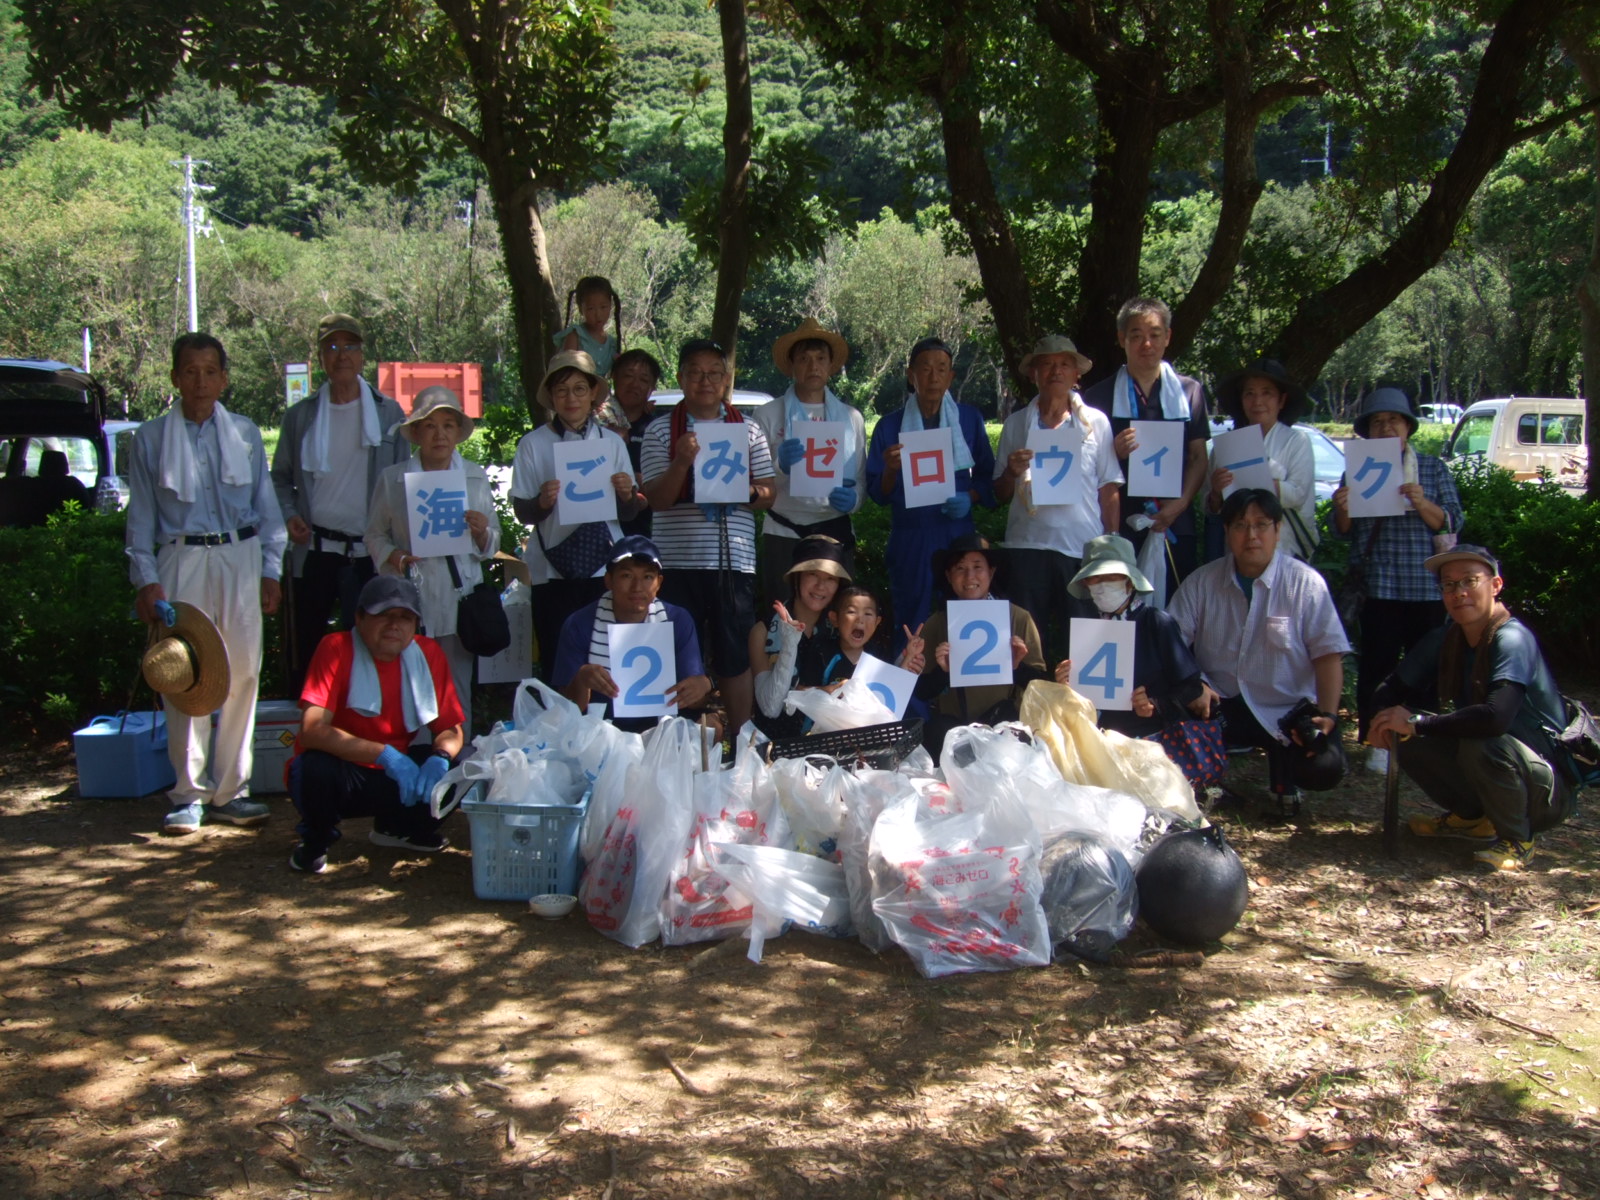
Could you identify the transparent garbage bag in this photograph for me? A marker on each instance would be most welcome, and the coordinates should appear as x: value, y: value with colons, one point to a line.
x: 811, y: 791
x: 853, y: 706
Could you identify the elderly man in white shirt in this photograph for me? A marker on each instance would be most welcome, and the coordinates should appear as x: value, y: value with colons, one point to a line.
x: 204, y: 528
x: 1270, y: 647
x: 1044, y: 542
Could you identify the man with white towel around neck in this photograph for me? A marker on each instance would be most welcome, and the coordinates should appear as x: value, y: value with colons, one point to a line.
x: 323, y: 490
x: 1146, y: 388
x: 204, y: 528
x: 368, y: 694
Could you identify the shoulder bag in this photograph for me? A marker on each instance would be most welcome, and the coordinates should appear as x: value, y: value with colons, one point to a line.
x: 481, y: 621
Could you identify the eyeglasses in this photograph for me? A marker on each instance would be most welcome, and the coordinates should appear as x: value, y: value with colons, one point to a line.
x: 1467, y: 583
x: 573, y: 391
x: 1258, y: 528
x: 712, y: 376
x: 342, y: 348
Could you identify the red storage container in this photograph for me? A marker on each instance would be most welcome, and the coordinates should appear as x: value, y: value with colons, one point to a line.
x: 404, y: 380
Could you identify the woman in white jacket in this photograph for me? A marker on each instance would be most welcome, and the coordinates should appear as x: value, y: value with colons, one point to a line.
x: 1263, y: 394
x: 436, y: 426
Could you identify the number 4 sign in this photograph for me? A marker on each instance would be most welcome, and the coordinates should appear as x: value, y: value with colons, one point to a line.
x: 1102, y: 661
x: 980, y: 642
x: 643, y: 666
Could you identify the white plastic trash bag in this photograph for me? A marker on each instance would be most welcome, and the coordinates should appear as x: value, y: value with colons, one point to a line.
x: 811, y: 791
x: 622, y: 889
x: 853, y: 706
x: 866, y: 794
x: 610, y: 792
x: 960, y: 893
x: 736, y: 805
x: 786, y: 884
x: 1153, y: 563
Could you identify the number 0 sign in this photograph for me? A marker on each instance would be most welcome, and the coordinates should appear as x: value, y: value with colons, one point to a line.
x: 643, y: 666
x: 1102, y: 661
x: 980, y: 642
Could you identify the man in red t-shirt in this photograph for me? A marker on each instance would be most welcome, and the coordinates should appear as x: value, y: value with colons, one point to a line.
x: 367, y: 693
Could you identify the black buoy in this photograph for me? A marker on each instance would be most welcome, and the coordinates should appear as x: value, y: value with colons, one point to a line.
x: 1192, y: 886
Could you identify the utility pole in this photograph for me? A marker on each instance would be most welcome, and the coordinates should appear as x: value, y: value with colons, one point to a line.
x: 194, y: 220
x: 1327, y: 151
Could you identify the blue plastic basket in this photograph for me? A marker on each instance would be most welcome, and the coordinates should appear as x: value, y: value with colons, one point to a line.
x: 523, y: 850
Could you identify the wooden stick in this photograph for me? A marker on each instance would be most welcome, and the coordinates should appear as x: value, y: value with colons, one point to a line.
x: 1391, y: 801
x: 350, y: 1131
x: 688, y: 1085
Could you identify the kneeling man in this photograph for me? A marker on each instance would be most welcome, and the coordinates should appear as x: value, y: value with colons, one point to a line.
x: 368, y: 691
x: 583, y: 655
x: 1270, y: 647
x: 1485, y: 754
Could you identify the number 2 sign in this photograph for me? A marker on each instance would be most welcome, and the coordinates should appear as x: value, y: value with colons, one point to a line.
x: 980, y: 642
x: 643, y: 666
x: 1102, y: 661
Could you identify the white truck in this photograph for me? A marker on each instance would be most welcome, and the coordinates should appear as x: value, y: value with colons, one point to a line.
x: 1528, y: 436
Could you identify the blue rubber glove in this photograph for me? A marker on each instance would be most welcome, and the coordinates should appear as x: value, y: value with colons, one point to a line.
x: 167, y: 613
x: 428, y: 776
x: 957, y: 507
x: 843, y: 499
x: 714, y: 512
x: 403, y: 771
x: 790, y: 451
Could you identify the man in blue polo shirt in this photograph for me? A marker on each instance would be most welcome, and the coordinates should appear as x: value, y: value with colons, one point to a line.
x: 583, y: 654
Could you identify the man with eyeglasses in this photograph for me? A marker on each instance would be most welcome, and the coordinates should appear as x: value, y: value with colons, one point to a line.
x: 708, y: 551
x: 1467, y: 714
x: 1270, y: 647
x: 324, y: 491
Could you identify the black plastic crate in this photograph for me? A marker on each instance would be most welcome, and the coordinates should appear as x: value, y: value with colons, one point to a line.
x: 881, y: 747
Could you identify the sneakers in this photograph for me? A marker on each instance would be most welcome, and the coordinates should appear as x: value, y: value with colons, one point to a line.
x: 1290, y: 805
x: 1506, y: 855
x: 300, y: 859
x: 1378, y: 762
x: 1475, y: 829
x: 186, y: 818
x: 422, y: 843
x: 239, y: 812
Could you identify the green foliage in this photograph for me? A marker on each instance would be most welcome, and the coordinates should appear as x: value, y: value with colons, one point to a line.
x: 496, y: 434
x: 69, y: 643
x: 1543, y: 536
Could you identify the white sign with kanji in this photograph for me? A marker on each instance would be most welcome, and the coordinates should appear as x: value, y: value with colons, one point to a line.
x: 436, y: 508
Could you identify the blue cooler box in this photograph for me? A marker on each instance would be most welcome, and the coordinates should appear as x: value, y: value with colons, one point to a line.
x: 124, y: 755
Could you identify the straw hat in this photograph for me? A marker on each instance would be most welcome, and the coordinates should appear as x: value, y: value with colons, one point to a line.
x: 1109, y: 554
x: 572, y: 358
x: 809, y: 330
x: 429, y: 400
x: 188, y: 664
x: 1055, y: 344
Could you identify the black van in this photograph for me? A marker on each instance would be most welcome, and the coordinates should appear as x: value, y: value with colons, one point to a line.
x: 53, y: 442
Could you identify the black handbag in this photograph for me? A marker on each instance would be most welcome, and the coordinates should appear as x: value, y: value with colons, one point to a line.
x: 481, y: 621
x: 1352, y: 594
x: 582, y: 552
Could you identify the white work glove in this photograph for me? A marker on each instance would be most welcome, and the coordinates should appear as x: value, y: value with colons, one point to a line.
x: 772, y: 686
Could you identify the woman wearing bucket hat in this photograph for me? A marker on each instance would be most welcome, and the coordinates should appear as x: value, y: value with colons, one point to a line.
x: 436, y: 426
x: 777, y: 649
x: 971, y: 568
x: 1402, y: 595
x: 1263, y: 394
x: 567, y: 562
x: 1167, y: 684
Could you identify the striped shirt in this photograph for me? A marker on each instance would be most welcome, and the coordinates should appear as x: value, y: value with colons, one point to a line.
x: 687, y: 540
x: 1394, y: 568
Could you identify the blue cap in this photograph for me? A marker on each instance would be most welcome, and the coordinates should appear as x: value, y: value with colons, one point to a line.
x: 635, y: 545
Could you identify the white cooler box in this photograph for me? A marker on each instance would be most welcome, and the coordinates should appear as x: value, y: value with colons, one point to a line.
x: 277, y: 725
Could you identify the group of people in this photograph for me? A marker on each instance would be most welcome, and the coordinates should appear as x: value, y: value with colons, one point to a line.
x: 1246, y: 650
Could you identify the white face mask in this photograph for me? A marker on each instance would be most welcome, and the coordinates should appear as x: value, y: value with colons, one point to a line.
x: 1108, y: 597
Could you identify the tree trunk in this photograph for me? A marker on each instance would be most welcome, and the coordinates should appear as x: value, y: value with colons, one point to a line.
x: 1588, y: 61
x: 733, y: 209
x: 1325, y: 321
x: 977, y: 208
x: 535, y: 309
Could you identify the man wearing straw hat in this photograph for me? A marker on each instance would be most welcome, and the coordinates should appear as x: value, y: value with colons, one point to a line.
x: 331, y: 450
x: 205, y: 544
x: 809, y: 355
x: 1044, y: 542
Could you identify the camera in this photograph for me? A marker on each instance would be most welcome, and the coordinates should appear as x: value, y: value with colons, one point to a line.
x: 1299, y: 724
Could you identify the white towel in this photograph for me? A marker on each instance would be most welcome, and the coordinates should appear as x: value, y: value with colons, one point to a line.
x: 418, y: 704
x: 314, y: 443
x: 1174, y: 402
x: 949, y: 418
x: 179, y: 471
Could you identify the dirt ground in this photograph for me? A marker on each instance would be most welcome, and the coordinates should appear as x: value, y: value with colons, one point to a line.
x: 191, y: 1018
